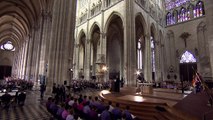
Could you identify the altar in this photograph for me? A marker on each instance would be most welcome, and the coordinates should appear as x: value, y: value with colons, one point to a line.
x: 146, y: 88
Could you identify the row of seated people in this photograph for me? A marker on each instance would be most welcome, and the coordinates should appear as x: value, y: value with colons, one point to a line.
x: 78, y: 85
x: 86, y: 109
x: 7, y: 99
x: 59, y: 91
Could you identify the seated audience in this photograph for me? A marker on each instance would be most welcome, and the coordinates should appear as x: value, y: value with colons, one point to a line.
x: 116, y: 112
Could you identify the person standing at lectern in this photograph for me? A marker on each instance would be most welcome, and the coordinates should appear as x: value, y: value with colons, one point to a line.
x: 117, y: 84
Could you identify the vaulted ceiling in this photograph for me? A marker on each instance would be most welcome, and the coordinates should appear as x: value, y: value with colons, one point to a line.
x: 18, y: 17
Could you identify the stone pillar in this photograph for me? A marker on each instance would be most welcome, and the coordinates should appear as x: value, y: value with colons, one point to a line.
x: 209, y: 19
x: 34, y: 60
x: 30, y: 53
x: 148, y: 66
x: 76, y: 59
x: 26, y: 55
x: 129, y: 44
x: 61, y: 42
x: 45, y: 24
x: 87, y: 59
x: 157, y: 57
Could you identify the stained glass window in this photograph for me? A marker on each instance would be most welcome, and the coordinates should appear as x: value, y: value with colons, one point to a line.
x: 182, y: 15
x: 139, y: 53
x: 187, y: 57
x: 175, y: 16
x: 153, y: 54
x: 8, y: 46
x: 170, y: 19
x: 190, y: 12
x: 199, y: 9
x: 170, y: 4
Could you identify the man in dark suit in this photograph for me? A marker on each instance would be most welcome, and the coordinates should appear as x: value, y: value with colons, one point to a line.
x: 21, y: 98
x: 6, y: 99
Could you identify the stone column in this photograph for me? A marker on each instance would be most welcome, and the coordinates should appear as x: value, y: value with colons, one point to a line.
x: 61, y: 42
x: 45, y: 24
x: 76, y: 59
x: 26, y: 55
x: 129, y: 44
x: 209, y: 19
x: 34, y: 60
x: 87, y: 59
x: 30, y: 53
x: 157, y: 57
x: 148, y: 66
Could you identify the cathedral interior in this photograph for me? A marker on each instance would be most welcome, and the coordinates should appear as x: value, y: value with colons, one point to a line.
x: 164, y: 42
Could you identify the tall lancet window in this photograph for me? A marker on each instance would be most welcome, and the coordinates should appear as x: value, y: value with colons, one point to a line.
x: 153, y: 54
x: 169, y: 19
x: 199, y: 9
x: 139, y: 54
x: 187, y: 57
x: 182, y: 15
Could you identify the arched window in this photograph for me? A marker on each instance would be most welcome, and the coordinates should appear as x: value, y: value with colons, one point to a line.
x: 153, y: 54
x: 139, y: 53
x: 175, y: 17
x: 187, y: 57
x: 199, y: 9
x: 190, y: 14
x: 169, y: 19
x: 8, y: 46
x: 170, y: 4
x: 182, y: 15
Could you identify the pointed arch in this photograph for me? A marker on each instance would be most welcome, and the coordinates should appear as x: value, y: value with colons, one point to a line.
x: 199, y: 9
x: 174, y: 17
x: 190, y: 10
x: 169, y: 18
x: 93, y: 27
x: 182, y: 14
x: 140, y: 27
x: 82, y: 32
x: 140, y: 18
x: 115, y: 44
x: 201, y: 25
x: 111, y: 17
x: 187, y: 57
x: 94, y: 42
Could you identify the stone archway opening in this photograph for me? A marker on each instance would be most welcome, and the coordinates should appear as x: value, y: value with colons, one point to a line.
x: 82, y: 43
x: 188, y: 66
x: 95, y: 44
x: 115, y: 47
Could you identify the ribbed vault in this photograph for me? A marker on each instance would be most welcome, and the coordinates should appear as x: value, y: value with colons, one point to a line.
x: 19, y: 17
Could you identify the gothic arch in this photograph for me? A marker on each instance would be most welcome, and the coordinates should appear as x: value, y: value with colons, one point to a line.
x: 153, y: 30
x: 94, y: 25
x: 81, y: 54
x: 94, y: 47
x: 187, y: 65
x: 82, y: 31
x: 201, y: 25
x: 110, y: 18
x: 189, y: 51
x: 140, y: 17
x: 115, y: 46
